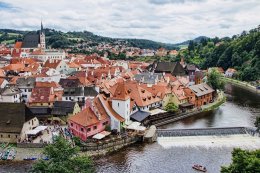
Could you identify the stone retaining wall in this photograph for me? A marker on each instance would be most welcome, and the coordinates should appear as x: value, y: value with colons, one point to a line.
x: 119, y: 143
x: 31, y: 145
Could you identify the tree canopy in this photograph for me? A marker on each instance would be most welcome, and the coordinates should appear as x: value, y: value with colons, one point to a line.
x: 171, y: 107
x: 63, y: 158
x: 243, y: 161
x: 214, y: 80
x: 241, y: 52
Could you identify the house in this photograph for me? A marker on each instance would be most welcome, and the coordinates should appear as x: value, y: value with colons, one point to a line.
x: 26, y: 85
x: 230, y: 72
x: 161, y: 52
x: 200, y: 94
x: 140, y: 98
x: 3, y: 82
x: 190, y: 70
x: 15, y: 121
x: 149, y: 78
x: 79, y: 94
x: 89, y: 121
x: 4, y: 61
x: 58, y: 65
x: 173, y: 53
x: 48, y: 75
x: 199, y: 75
x: 43, y: 96
x: 175, y: 68
x: 11, y: 94
x: 64, y: 109
x: 42, y: 113
x: 161, y: 90
x: 178, y: 96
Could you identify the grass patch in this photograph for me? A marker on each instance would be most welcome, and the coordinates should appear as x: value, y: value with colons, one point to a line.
x: 13, y: 34
x: 8, y: 41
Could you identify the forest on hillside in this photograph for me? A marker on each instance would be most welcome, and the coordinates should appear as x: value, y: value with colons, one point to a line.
x: 59, y: 39
x: 241, y: 52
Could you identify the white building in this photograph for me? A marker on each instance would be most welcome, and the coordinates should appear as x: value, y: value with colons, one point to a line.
x: 11, y: 94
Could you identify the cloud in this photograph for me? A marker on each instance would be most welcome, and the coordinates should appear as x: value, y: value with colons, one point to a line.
x: 173, y: 1
x: 169, y: 21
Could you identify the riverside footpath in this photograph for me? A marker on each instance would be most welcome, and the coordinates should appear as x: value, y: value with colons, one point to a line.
x: 242, y: 84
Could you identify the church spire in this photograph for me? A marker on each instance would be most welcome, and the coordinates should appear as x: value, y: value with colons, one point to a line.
x: 41, y: 27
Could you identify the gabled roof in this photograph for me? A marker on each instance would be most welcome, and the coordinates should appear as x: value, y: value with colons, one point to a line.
x: 14, y: 116
x: 52, y: 63
x: 120, y: 92
x: 170, y: 67
x: 31, y: 40
x: 191, y: 67
x: 140, y: 116
x: 18, y: 45
x: 10, y: 90
x: 104, y: 101
x: 41, y: 95
x: 68, y: 83
x: 201, y: 89
x: 85, y: 118
x: 26, y: 82
x: 80, y: 91
x: 63, y: 108
x: 40, y: 111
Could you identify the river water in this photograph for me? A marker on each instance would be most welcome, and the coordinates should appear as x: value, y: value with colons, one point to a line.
x: 177, y: 155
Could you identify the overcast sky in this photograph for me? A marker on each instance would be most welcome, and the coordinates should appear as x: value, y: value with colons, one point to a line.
x: 170, y: 21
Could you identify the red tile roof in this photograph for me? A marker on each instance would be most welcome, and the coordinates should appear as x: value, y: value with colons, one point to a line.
x: 18, y: 45
x: 52, y: 63
x: 85, y: 118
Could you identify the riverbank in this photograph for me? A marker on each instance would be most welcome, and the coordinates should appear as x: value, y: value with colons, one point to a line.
x: 242, y: 84
x: 219, y: 100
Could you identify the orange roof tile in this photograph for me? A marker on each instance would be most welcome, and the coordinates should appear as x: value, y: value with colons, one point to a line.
x: 52, y: 63
x: 47, y: 84
x: 18, y: 45
x: 85, y: 118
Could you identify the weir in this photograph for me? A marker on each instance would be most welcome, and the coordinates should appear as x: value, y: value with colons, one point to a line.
x: 207, y: 131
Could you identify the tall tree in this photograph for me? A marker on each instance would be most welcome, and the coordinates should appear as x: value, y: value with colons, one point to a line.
x: 243, y: 161
x: 214, y: 80
x: 63, y: 158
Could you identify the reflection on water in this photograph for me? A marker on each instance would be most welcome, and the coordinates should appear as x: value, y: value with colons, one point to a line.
x: 240, y: 109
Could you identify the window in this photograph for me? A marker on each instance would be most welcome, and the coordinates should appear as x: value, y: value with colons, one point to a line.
x: 9, y: 136
x: 25, y: 90
x: 81, y: 129
x: 118, y: 104
x: 16, y: 136
x: 95, y: 127
x: 71, y: 124
x: 89, y: 129
x: 1, y: 136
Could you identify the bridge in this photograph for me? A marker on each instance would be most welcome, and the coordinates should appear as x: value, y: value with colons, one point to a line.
x: 215, y: 131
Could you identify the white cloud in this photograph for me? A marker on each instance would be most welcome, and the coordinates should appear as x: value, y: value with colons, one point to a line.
x: 169, y: 21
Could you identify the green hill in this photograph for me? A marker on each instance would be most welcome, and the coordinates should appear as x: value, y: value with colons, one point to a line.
x: 58, y: 39
x: 241, y: 52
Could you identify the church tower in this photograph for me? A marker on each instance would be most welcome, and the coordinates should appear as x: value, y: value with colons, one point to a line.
x: 42, y: 38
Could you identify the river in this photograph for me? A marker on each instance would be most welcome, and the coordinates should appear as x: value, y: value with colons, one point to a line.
x: 165, y: 156
x: 240, y: 109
